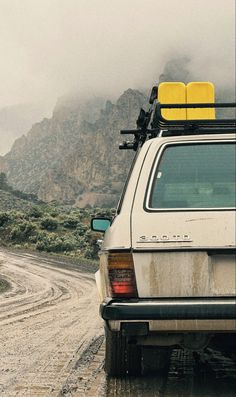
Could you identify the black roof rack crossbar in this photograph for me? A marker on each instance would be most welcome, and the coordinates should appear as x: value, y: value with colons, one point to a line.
x: 160, y: 123
x: 196, y: 105
x: 151, y: 124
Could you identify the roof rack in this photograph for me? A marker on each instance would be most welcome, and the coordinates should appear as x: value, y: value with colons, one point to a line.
x: 151, y: 124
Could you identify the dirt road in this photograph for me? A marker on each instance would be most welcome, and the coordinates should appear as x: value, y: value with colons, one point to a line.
x: 47, y: 320
x: 51, y: 342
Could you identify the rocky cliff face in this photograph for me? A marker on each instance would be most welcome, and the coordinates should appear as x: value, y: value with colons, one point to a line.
x: 15, y: 120
x: 3, y: 164
x: 74, y: 156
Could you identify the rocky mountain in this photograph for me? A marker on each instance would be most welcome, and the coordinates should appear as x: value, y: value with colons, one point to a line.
x: 15, y: 120
x: 74, y: 156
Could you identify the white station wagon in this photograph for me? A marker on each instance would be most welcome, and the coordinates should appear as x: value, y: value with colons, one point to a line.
x: 167, y: 273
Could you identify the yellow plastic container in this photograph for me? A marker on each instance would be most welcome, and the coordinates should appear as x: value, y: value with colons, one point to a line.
x: 200, y: 92
x: 172, y: 92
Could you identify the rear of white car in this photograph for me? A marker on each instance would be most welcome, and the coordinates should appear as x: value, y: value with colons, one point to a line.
x: 167, y: 274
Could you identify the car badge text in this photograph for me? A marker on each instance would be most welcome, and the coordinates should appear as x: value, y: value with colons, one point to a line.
x: 175, y: 238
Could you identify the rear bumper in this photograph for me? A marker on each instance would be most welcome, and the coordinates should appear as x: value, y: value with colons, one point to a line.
x: 169, y: 309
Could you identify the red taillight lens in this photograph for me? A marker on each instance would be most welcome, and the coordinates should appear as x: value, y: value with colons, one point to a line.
x: 121, y: 276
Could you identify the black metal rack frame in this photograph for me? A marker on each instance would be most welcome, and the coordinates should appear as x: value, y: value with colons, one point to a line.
x: 151, y: 124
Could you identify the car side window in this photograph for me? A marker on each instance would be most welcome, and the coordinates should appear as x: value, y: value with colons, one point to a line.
x: 195, y: 176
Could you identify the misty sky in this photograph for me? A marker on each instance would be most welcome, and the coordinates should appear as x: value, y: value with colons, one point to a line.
x: 101, y: 47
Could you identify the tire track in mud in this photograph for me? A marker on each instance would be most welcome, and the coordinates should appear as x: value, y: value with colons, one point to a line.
x: 86, y: 377
x: 44, y: 327
x: 211, y: 375
x: 31, y: 301
x: 201, y: 375
x: 185, y: 378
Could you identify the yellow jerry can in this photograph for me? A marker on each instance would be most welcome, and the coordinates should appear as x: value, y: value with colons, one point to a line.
x: 174, y: 93
x: 200, y: 92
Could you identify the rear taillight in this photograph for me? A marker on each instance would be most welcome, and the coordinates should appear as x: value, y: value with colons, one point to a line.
x: 121, y: 275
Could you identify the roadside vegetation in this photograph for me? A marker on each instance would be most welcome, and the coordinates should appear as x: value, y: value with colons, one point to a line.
x: 51, y: 228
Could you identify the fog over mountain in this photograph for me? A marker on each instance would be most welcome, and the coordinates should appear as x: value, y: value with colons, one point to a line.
x: 16, y: 120
x: 101, y: 47
x: 95, y: 50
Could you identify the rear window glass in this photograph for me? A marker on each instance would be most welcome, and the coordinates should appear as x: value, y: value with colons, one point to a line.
x: 195, y: 176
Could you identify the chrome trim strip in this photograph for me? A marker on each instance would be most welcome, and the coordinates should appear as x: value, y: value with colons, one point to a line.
x: 177, y: 302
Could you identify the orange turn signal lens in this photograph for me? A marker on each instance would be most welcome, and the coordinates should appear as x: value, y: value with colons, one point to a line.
x: 122, y: 276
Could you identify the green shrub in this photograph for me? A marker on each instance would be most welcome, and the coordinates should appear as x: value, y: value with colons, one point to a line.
x: 36, y: 226
x: 49, y: 223
x: 22, y: 231
x: 16, y: 216
x: 53, y: 243
x: 88, y: 253
x: 33, y: 238
x: 70, y: 223
x: 53, y: 212
x: 35, y: 212
x: 80, y: 230
x: 4, y: 218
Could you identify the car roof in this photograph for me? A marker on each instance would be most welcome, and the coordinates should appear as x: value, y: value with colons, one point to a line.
x: 191, y: 138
